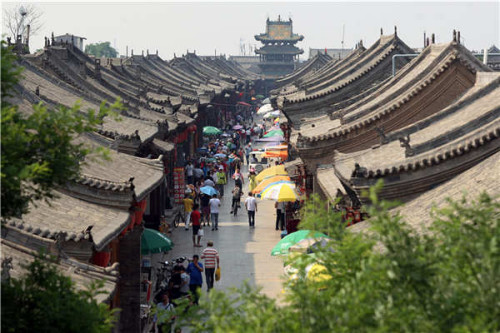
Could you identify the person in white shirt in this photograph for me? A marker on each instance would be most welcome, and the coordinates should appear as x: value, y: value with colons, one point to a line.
x: 251, y: 206
x: 280, y: 215
x: 214, y: 211
x: 189, y: 173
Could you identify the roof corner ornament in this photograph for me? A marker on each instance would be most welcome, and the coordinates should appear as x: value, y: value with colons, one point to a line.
x: 454, y: 35
x: 136, y: 135
x: 381, y: 134
x: 358, y: 171
x: 381, y: 31
x: 395, y: 30
x: 405, y: 142
x: 433, y: 38
x: 458, y: 37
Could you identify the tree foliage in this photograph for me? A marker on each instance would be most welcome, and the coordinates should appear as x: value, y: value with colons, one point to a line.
x: 391, y: 279
x: 16, y: 23
x: 44, y: 300
x: 39, y: 150
x: 103, y: 49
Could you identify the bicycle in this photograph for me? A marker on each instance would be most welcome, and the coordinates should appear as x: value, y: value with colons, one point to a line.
x: 234, y: 206
x: 178, y: 217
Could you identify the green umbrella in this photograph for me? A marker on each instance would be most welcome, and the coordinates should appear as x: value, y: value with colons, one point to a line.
x: 274, y: 133
x: 284, y: 245
x: 259, y: 96
x: 210, y: 130
x: 153, y: 241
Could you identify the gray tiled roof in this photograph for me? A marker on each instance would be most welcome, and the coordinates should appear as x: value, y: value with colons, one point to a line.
x: 81, y: 275
x: 484, y: 177
x: 72, y: 217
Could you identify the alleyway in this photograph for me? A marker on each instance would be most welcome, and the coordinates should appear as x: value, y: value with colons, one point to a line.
x: 245, y: 254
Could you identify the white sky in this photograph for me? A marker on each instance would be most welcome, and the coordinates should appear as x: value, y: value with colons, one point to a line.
x: 174, y: 27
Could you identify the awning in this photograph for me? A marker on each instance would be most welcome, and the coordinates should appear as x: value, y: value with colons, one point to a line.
x: 329, y: 183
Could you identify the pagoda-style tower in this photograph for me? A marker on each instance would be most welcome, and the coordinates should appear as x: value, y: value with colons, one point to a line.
x: 279, y: 53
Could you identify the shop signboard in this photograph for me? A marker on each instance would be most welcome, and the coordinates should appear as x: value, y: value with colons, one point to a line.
x: 179, y: 185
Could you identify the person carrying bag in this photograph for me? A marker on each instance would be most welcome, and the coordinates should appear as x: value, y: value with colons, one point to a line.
x: 217, y: 274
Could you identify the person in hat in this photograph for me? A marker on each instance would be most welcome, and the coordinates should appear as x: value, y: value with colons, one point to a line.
x: 221, y: 180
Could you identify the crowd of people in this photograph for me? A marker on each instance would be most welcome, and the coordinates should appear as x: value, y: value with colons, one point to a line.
x: 216, y: 164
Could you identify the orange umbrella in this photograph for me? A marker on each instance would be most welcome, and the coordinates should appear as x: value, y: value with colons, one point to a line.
x: 266, y: 182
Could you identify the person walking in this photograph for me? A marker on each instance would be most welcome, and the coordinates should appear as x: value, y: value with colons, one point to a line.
x: 195, y: 218
x: 190, y: 173
x: 194, y: 269
x: 221, y: 181
x: 214, y: 204
x: 238, y: 178
x: 280, y: 215
x: 205, y: 208
x: 188, y: 208
x: 248, y: 150
x: 236, y: 200
x: 211, y: 257
x: 251, y: 206
x: 252, y: 179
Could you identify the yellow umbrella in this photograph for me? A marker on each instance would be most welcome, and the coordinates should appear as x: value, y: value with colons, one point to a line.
x: 281, y: 192
x: 272, y: 171
x: 268, y: 181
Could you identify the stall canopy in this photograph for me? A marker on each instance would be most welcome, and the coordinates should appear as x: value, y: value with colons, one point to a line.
x: 277, y: 151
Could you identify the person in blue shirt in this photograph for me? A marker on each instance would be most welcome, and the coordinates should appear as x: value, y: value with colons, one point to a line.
x: 194, y: 270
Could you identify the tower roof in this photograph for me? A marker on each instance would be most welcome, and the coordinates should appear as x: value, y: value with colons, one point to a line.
x: 279, y: 31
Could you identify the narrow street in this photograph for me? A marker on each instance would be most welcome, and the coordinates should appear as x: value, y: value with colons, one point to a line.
x: 245, y: 254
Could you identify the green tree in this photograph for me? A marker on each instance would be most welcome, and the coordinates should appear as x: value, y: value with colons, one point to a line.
x: 39, y: 150
x: 103, y: 49
x: 44, y: 300
x: 391, y: 279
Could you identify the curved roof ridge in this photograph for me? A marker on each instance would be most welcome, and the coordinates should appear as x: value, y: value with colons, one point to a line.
x: 353, y: 57
x: 353, y: 73
x: 334, y: 67
x: 441, y: 154
x: 396, y: 86
x: 110, y: 185
x: 425, y: 79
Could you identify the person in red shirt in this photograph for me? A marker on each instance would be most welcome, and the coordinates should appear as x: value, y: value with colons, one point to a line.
x: 195, y: 220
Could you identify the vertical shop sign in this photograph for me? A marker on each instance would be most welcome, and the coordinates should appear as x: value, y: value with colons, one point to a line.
x: 178, y: 185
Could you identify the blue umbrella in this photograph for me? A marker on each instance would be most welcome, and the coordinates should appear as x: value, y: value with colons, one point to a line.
x: 208, y: 190
x: 220, y: 155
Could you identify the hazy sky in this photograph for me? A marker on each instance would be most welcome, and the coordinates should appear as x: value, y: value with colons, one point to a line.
x: 174, y: 27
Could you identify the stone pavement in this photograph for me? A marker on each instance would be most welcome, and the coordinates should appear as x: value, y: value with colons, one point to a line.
x: 245, y: 254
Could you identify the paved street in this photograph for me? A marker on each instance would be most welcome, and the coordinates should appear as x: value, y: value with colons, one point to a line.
x: 244, y: 252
